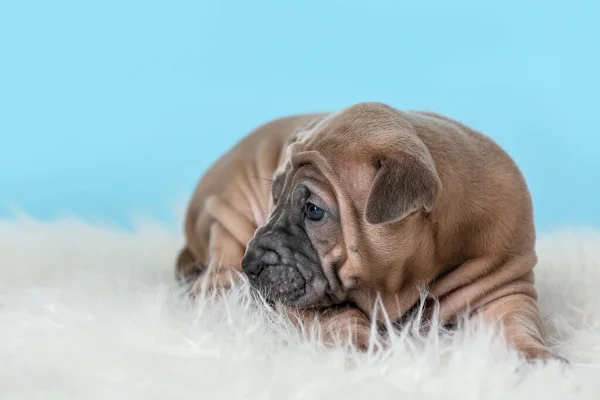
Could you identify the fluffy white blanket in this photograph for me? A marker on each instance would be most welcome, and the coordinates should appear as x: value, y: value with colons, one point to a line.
x: 91, y: 312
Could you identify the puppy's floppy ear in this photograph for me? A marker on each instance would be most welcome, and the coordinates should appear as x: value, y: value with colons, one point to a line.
x: 403, y: 184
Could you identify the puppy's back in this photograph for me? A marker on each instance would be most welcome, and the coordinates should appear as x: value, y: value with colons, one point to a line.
x: 485, y: 200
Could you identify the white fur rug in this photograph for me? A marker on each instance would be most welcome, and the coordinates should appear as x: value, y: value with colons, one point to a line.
x: 90, y: 312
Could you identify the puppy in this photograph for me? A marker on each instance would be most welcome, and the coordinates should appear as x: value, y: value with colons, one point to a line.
x: 369, y: 203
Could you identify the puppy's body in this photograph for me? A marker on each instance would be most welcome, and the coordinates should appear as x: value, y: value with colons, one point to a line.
x: 414, y: 200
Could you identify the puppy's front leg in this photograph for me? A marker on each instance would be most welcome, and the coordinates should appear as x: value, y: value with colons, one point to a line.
x: 341, y: 324
x: 224, y: 266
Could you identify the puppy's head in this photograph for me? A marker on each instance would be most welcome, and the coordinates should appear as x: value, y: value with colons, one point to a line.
x: 350, y: 206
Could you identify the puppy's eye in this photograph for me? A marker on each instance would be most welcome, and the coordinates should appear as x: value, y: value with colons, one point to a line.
x: 314, y: 213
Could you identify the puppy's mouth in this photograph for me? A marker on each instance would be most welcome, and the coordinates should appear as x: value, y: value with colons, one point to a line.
x: 282, y: 282
x: 295, y: 285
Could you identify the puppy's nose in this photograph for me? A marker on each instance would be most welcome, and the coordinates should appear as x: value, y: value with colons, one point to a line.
x: 253, y: 264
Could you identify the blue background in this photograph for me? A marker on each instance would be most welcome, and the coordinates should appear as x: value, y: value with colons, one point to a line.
x: 110, y: 108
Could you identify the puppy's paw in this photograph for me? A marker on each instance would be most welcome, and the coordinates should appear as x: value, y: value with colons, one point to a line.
x: 541, y: 354
x: 335, y: 326
x: 348, y: 327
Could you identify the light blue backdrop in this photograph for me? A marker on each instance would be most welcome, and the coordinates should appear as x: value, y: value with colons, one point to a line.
x: 112, y: 108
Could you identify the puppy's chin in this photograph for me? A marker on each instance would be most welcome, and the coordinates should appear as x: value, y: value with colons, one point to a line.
x: 286, y: 285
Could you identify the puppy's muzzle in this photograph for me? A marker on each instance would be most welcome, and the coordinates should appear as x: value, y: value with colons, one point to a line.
x: 273, y: 278
x: 285, y: 268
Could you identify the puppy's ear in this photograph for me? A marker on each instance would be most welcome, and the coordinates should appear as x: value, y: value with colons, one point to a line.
x: 402, y: 186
